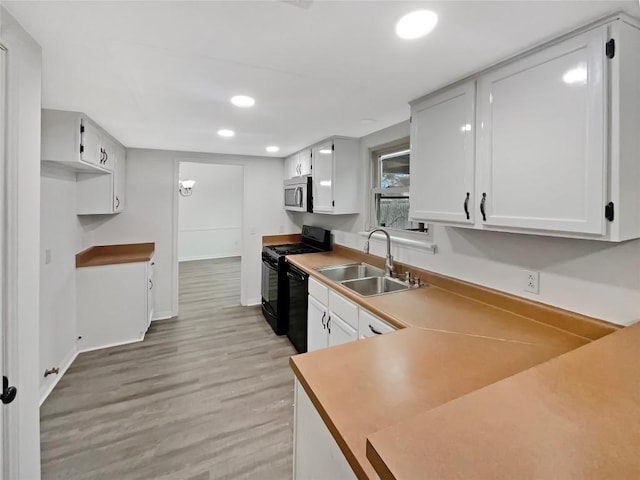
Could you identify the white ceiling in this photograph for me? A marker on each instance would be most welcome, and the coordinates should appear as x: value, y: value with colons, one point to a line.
x: 160, y: 74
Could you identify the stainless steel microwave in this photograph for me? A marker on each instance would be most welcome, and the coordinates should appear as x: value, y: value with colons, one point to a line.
x: 298, y: 194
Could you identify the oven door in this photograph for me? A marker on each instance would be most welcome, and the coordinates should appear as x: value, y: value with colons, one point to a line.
x: 270, y: 284
x: 295, y: 196
x: 298, y: 286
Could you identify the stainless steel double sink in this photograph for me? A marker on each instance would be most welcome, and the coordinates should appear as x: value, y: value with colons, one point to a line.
x: 362, y: 278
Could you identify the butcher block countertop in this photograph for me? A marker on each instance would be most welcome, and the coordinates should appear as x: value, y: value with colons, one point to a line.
x: 574, y: 417
x: 115, y: 254
x: 449, y: 345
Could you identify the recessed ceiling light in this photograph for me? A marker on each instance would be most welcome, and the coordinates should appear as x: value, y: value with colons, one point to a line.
x: 416, y: 24
x: 272, y: 148
x: 226, y: 133
x: 367, y: 121
x: 243, y: 101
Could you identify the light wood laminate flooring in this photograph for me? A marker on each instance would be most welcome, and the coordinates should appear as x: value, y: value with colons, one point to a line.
x: 205, y: 396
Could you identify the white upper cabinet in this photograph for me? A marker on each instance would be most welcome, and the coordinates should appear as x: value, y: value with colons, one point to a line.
x: 323, y: 177
x: 442, y: 157
x: 335, y: 176
x: 304, y: 162
x: 291, y: 166
x: 103, y: 194
x: 557, y: 144
x: 73, y: 140
x: 541, y: 147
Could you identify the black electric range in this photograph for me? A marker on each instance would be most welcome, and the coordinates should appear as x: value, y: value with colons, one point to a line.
x: 275, y: 283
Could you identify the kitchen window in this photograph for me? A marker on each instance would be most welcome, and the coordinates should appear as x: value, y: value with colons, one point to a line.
x: 390, y: 192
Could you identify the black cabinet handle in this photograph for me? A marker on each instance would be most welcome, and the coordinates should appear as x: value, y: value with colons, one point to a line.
x: 482, y: 210
x: 466, y: 205
x: 9, y: 393
x: 150, y: 284
x: 324, y: 326
x: 117, y: 202
x: 329, y: 323
x: 374, y: 330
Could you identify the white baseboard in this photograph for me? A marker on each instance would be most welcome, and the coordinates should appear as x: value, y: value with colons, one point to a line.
x: 253, y: 301
x: 109, y: 345
x: 45, y: 390
x: 164, y: 315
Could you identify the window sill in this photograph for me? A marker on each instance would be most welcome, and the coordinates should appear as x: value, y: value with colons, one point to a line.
x: 418, y: 244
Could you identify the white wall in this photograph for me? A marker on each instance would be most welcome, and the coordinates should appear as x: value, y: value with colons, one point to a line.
x: 210, y: 220
x: 594, y: 278
x: 24, y: 75
x: 61, y: 234
x: 152, y: 215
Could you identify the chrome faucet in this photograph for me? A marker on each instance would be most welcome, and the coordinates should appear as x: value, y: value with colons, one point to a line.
x: 388, y: 264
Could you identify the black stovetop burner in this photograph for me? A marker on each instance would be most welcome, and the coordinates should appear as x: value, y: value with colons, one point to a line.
x: 293, y: 249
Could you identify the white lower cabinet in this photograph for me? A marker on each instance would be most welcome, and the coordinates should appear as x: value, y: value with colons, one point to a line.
x: 371, y: 326
x: 316, y: 455
x: 114, y: 304
x: 333, y: 320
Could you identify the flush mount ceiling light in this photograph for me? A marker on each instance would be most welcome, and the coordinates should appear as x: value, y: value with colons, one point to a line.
x: 226, y: 133
x: 243, y: 101
x: 416, y: 24
x: 272, y: 149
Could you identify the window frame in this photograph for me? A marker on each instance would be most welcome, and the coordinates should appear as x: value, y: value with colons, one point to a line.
x: 375, y: 189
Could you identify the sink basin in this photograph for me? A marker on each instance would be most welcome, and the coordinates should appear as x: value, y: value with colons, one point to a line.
x: 340, y: 273
x: 375, y: 286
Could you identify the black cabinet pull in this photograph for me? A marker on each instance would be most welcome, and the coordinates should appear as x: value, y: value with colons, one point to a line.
x: 374, y: 330
x: 324, y: 326
x: 466, y: 205
x: 117, y: 202
x: 9, y: 393
x: 329, y: 323
x: 482, y: 210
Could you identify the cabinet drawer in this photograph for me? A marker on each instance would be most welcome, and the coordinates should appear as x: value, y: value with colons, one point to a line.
x: 318, y: 291
x: 344, y: 308
x: 370, y: 326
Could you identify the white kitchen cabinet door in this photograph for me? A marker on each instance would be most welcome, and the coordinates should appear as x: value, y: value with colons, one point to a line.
x: 112, y: 304
x: 291, y: 166
x: 90, y: 143
x: 316, y: 453
x: 542, y: 143
x: 323, y: 177
x: 109, y: 153
x: 119, y: 179
x: 304, y: 162
x: 443, y: 157
x: 371, y: 326
x: 340, y: 331
x: 150, y: 292
x: 316, y: 325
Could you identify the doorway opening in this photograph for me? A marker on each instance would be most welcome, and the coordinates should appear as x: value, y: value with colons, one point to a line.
x: 210, y: 214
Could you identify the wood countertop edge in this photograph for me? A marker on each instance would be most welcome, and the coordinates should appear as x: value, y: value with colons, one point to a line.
x: 378, y: 463
x: 281, y: 239
x: 335, y: 433
x: 573, y: 323
x: 101, y: 255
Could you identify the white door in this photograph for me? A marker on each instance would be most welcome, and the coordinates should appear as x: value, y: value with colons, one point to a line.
x: 3, y: 324
x: 443, y: 157
x: 542, y: 144
x: 316, y: 325
x: 323, y: 177
x: 340, y: 331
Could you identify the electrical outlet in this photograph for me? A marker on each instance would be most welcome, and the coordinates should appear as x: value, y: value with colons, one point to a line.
x: 532, y: 281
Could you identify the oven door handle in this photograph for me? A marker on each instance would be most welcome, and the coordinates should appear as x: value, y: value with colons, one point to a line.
x: 293, y: 276
x: 269, y: 265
